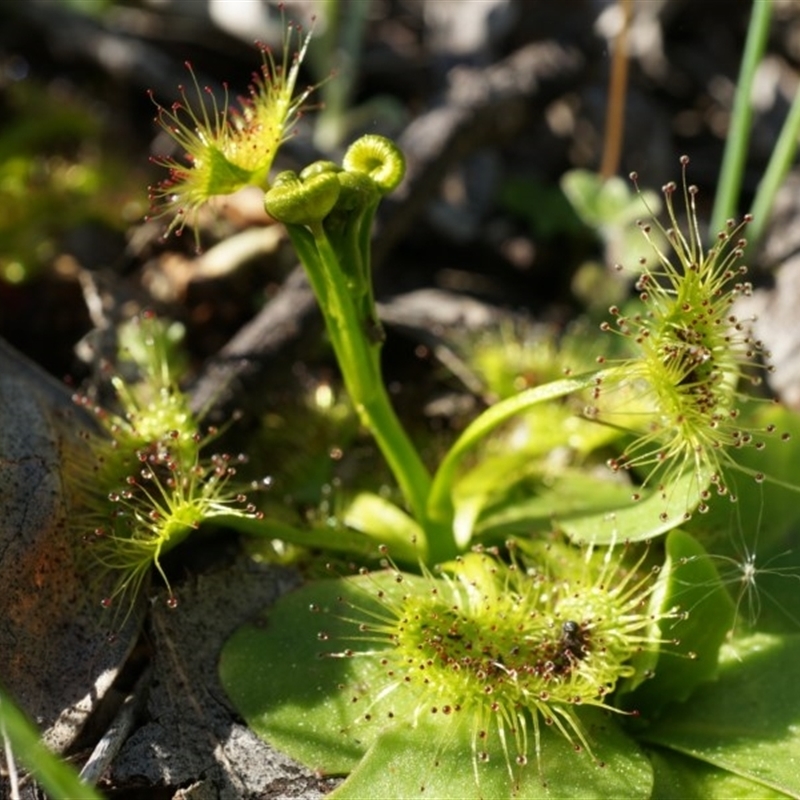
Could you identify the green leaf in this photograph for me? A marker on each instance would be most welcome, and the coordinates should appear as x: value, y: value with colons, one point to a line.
x: 513, y: 484
x: 606, y: 202
x: 385, y: 523
x: 692, y: 584
x: 748, y: 721
x: 440, y: 499
x: 777, y: 461
x: 602, y: 517
x: 332, y: 538
x: 406, y: 762
x: 541, y: 504
x: 677, y: 775
x: 329, y: 712
x: 543, y: 206
x: 58, y: 778
x: 364, y: 524
x: 277, y: 675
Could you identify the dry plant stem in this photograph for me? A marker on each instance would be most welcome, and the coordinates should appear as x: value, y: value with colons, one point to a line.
x: 240, y: 364
x: 112, y: 740
x: 482, y: 107
x: 615, y: 117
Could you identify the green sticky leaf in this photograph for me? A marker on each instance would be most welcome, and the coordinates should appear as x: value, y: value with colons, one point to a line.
x: 406, y: 762
x: 302, y: 693
x: 277, y: 674
x: 748, y: 721
x: 602, y: 518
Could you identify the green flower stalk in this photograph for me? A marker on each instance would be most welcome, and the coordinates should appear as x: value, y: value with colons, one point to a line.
x: 328, y: 212
x: 227, y: 149
x: 508, y: 647
x: 679, y: 394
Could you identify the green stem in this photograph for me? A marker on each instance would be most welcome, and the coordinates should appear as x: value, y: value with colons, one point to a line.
x: 341, y: 540
x: 730, y: 180
x: 339, y: 53
x: 440, y: 501
x: 779, y: 164
x: 359, y: 361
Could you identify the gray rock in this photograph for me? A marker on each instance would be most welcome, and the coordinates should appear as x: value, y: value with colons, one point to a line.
x: 192, y: 737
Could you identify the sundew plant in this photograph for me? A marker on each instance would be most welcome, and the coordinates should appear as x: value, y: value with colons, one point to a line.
x: 148, y: 479
x: 510, y: 631
x: 541, y: 609
x: 506, y: 635
x: 513, y: 624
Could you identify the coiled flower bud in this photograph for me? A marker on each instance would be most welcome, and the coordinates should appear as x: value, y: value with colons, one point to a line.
x: 379, y: 158
x: 298, y: 200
